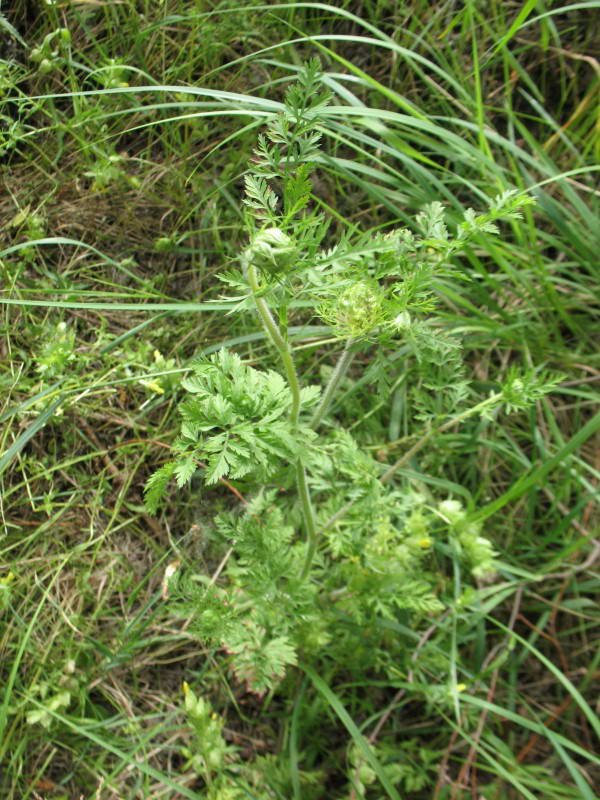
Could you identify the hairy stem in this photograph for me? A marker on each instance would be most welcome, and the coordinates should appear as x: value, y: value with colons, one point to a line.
x: 337, y: 376
x: 310, y: 523
x: 283, y: 348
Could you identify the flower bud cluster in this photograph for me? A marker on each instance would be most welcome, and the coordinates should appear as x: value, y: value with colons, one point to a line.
x: 272, y: 251
x: 358, y: 310
x: 210, y: 748
x: 402, y: 322
x: 477, y: 550
x: 53, y: 51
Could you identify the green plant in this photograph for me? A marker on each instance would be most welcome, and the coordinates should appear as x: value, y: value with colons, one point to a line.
x: 367, y: 543
x: 54, y: 52
x: 226, y: 775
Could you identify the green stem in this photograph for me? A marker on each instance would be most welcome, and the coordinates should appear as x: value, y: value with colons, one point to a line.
x: 283, y: 348
x: 337, y: 376
x: 310, y: 523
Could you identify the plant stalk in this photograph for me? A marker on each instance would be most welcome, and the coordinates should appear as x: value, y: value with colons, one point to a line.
x: 283, y: 348
x: 337, y: 376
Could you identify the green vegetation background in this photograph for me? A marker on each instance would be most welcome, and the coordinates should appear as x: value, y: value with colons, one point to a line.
x: 125, y: 132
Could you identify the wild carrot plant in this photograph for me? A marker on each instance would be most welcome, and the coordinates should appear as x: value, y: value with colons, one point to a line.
x: 330, y: 543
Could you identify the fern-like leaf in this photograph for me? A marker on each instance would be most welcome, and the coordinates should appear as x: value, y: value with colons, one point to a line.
x: 260, y: 196
x: 156, y: 486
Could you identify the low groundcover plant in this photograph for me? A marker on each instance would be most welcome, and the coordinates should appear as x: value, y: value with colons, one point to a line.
x: 329, y: 544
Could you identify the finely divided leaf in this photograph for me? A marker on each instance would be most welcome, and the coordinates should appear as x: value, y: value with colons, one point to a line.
x: 184, y: 470
x: 259, y: 195
x: 217, y: 467
x: 309, y: 395
x: 157, y: 484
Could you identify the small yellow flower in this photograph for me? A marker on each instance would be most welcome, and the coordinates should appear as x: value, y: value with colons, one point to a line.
x: 153, y: 386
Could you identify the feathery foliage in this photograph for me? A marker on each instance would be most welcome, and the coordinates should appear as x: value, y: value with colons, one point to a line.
x: 250, y: 425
